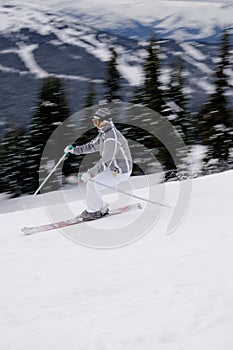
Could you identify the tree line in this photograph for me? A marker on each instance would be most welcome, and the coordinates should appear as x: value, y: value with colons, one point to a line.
x: 21, y: 149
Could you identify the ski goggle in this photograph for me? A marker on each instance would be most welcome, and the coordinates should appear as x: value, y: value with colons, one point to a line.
x: 96, y: 121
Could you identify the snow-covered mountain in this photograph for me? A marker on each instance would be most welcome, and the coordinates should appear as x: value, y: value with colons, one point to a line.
x: 161, y: 292
x: 36, y: 42
x: 180, y: 20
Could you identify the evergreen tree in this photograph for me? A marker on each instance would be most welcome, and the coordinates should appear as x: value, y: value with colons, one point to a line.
x: 50, y: 112
x: 90, y: 97
x: 216, y: 123
x: 175, y: 102
x: 150, y: 94
x: 12, y: 161
x: 113, y: 79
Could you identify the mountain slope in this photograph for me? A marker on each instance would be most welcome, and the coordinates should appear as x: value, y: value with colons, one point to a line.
x: 169, y: 292
x: 36, y: 43
x: 179, y: 20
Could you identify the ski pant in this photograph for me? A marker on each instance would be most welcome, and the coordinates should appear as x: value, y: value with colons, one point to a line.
x: 94, y: 191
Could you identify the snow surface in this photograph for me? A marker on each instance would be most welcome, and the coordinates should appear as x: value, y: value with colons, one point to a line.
x: 161, y: 292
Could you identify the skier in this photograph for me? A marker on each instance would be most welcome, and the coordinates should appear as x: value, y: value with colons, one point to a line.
x: 114, y: 165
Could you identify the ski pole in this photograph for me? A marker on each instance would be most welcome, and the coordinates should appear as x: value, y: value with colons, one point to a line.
x: 132, y: 195
x: 52, y: 171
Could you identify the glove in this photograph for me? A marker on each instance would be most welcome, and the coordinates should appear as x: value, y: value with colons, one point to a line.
x: 69, y: 149
x: 84, y: 176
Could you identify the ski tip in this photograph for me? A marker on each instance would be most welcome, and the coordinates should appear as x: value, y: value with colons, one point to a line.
x: 27, y: 231
x: 24, y: 230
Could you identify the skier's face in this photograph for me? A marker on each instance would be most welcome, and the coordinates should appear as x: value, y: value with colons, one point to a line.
x: 96, y: 122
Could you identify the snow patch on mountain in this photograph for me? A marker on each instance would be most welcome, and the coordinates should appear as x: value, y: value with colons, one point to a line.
x: 204, y: 85
x: 200, y: 65
x: 192, y: 51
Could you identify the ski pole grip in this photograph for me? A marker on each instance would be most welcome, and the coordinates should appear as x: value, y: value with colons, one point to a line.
x: 70, y: 147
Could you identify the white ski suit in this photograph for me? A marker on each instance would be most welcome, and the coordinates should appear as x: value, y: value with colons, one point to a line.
x: 114, y: 165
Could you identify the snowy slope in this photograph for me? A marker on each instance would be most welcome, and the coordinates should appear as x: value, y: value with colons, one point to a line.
x: 162, y: 292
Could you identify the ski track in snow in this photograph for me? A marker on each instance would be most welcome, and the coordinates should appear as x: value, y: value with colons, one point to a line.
x: 25, y: 52
x: 8, y: 70
x: 162, y: 292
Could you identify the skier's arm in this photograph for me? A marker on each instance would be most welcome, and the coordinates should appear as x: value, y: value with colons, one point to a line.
x: 90, y: 147
x: 110, y: 147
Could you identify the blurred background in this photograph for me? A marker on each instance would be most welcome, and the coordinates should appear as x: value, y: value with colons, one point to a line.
x: 57, y: 58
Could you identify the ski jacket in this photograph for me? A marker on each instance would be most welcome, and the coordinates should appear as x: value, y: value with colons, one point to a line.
x: 113, y: 148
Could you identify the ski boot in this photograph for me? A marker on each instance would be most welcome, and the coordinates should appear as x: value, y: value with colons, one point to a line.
x: 87, y: 216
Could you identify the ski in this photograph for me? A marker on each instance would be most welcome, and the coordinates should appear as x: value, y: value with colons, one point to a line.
x: 77, y: 220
